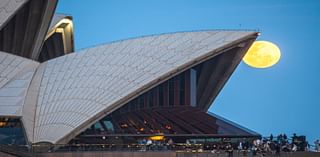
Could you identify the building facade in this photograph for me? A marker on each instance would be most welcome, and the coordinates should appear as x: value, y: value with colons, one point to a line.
x: 128, y: 89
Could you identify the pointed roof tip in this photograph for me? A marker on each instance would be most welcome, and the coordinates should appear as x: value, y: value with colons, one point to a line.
x: 57, y: 18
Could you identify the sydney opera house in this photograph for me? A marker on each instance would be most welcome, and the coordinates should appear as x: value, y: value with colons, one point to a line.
x: 117, y: 92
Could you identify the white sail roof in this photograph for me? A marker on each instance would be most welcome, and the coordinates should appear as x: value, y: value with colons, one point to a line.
x: 67, y: 94
x: 15, y: 76
x: 78, y: 87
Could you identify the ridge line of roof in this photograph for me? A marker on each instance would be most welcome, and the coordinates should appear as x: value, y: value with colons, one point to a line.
x: 65, y: 14
x: 165, y: 33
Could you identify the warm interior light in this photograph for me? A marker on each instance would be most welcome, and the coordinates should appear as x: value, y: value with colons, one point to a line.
x: 2, y: 124
x: 64, y: 24
x: 157, y: 138
x: 168, y: 127
x: 64, y: 21
x: 124, y: 125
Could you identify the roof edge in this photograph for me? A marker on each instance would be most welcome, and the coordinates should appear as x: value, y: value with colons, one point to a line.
x: 167, y: 33
x: 234, y: 124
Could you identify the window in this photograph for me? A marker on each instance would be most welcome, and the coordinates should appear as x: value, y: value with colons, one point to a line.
x: 161, y: 96
x: 182, y: 89
x: 11, y: 131
x: 141, y: 101
x: 171, y: 92
x: 108, y: 125
x: 151, y: 97
x: 98, y: 126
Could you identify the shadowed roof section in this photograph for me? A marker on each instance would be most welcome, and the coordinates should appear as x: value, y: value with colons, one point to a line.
x: 7, y: 10
x: 24, y: 25
x: 77, y: 89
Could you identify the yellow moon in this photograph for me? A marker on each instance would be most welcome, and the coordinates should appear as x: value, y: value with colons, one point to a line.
x: 262, y: 54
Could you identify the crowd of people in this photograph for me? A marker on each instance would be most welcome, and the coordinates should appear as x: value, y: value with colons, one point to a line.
x: 244, y: 146
x: 317, y: 145
x: 276, y: 145
x: 271, y: 144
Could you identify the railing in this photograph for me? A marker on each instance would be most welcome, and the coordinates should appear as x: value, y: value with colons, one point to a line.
x: 158, y: 147
x: 117, y: 147
x: 109, y: 147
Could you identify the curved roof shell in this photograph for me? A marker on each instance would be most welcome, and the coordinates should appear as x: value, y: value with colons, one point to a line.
x: 61, y: 97
x: 16, y: 74
x: 76, y: 89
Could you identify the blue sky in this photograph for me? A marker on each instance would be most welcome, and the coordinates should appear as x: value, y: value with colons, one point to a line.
x: 281, y: 99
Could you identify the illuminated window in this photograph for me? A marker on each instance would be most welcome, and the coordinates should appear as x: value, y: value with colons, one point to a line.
x: 108, y: 125
x: 2, y: 123
x: 98, y: 126
x: 11, y: 132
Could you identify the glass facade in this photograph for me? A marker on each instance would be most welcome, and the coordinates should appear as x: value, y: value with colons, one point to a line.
x: 11, y: 132
x: 178, y: 123
x: 174, y: 92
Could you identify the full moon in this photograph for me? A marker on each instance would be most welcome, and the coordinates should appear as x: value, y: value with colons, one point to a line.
x: 262, y: 54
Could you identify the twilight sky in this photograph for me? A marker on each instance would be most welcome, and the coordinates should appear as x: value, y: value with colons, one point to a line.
x: 282, y: 99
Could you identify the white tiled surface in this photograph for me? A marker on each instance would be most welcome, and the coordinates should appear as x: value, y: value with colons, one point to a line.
x: 76, y: 87
x: 8, y: 8
x: 15, y: 76
x: 66, y: 92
